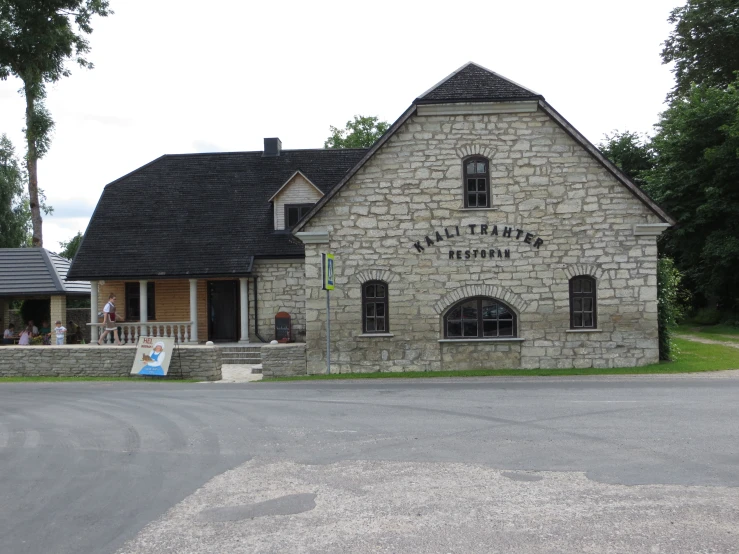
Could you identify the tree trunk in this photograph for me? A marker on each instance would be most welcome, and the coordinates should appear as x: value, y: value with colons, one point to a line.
x: 32, y: 165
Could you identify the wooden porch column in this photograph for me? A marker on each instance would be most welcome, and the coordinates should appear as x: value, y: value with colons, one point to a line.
x: 194, y: 310
x: 143, y: 307
x: 94, y: 309
x: 244, y: 297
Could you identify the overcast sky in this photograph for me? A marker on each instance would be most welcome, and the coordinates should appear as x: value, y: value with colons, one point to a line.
x: 184, y: 76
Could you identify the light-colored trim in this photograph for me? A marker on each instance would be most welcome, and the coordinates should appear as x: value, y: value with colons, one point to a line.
x: 313, y: 237
x: 290, y: 179
x: 583, y: 269
x: 373, y: 335
x: 463, y: 209
x: 478, y: 108
x: 511, y: 339
x: 375, y: 275
x: 584, y: 331
x: 650, y: 229
x: 453, y: 73
x: 616, y: 172
x: 353, y: 171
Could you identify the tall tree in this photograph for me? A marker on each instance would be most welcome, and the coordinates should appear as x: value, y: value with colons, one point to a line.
x: 696, y: 178
x: 363, y: 132
x: 630, y: 152
x: 13, y: 221
x: 704, y: 43
x: 37, y: 38
x: 70, y: 247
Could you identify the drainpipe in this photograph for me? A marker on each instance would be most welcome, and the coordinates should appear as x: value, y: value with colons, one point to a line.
x: 256, y: 312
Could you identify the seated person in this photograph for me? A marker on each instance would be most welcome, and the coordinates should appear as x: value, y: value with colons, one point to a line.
x: 9, y: 334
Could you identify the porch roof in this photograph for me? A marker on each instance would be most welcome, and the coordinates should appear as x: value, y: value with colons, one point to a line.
x: 199, y: 215
x: 33, y: 272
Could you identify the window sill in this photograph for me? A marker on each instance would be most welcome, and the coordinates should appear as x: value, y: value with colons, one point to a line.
x: 505, y: 339
x: 478, y: 209
x: 373, y: 335
x: 584, y: 331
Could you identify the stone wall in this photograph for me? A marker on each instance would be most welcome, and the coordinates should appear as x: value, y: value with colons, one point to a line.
x: 192, y: 362
x: 544, y: 186
x: 280, y: 288
x: 283, y: 360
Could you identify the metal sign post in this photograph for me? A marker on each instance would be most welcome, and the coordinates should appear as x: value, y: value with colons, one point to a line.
x: 327, y: 274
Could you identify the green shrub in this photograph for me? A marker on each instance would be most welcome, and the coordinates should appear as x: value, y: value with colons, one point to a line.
x: 707, y: 316
x: 670, y: 304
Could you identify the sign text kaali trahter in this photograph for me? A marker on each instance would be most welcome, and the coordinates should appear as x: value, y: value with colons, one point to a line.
x: 480, y: 230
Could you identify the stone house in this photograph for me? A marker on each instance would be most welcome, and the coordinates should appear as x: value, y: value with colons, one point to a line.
x: 481, y: 231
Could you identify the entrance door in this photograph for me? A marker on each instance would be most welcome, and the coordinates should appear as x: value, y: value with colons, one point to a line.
x: 223, y: 310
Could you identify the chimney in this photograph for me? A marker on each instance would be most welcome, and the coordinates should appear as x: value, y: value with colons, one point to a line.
x: 272, y: 147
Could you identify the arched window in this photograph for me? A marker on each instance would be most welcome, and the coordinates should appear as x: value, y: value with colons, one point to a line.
x: 479, y: 318
x: 374, y: 307
x: 476, y: 182
x: 583, y: 313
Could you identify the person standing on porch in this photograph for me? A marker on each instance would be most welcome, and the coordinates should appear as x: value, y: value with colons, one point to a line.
x: 109, y: 320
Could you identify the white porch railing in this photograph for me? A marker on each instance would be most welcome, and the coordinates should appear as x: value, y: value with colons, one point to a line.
x: 130, y: 331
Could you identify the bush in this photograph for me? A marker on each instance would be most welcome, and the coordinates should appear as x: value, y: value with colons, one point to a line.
x: 670, y: 304
x: 707, y: 316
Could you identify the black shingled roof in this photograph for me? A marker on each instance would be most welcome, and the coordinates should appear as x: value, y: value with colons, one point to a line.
x: 474, y: 83
x: 199, y: 215
x: 28, y: 272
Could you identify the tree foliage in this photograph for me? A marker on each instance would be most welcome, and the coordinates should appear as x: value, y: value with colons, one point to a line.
x: 363, y: 132
x: 696, y: 178
x: 631, y: 152
x: 13, y: 220
x: 704, y: 44
x: 37, y: 39
x: 671, y: 299
x: 70, y: 247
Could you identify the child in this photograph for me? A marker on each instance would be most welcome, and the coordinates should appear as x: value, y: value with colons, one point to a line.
x: 26, y: 335
x: 9, y: 334
x: 109, y: 320
x: 59, y: 330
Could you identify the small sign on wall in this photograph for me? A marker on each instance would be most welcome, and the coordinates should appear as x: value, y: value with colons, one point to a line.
x: 153, y: 355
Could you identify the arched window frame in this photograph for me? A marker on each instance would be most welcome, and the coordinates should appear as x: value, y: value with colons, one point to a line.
x: 472, y: 199
x: 481, y: 320
x: 371, y: 304
x: 583, y: 302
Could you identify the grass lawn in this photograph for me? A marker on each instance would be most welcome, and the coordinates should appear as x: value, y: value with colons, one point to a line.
x: 725, y: 333
x: 693, y: 357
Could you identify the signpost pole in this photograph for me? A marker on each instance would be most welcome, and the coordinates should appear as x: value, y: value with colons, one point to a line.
x: 328, y: 331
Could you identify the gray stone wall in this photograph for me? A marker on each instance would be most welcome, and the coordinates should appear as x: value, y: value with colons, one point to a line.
x: 283, y: 360
x: 192, y: 362
x: 280, y: 288
x: 543, y: 184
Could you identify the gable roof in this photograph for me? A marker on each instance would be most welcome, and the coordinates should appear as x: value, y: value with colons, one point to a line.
x: 289, y: 180
x: 474, y: 83
x: 36, y: 272
x: 199, y: 215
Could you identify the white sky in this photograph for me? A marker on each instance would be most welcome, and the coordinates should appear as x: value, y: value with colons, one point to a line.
x: 184, y: 76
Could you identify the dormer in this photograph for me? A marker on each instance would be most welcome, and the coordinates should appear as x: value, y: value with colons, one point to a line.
x: 293, y: 200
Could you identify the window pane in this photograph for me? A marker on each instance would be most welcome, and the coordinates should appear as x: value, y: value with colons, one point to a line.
x: 471, y: 185
x: 380, y: 324
x: 454, y: 329
x: 304, y: 210
x: 469, y: 310
x: 370, y: 309
x: 577, y: 285
x: 587, y: 320
x: 489, y: 309
x: 470, y: 328
x: 379, y: 291
x: 490, y: 328
x: 370, y: 324
x: 577, y: 319
x: 380, y: 309
x: 506, y: 328
x: 455, y: 313
x: 480, y: 167
x: 504, y: 313
x: 482, y: 200
x: 577, y: 304
x: 481, y: 185
x: 587, y: 285
x: 472, y: 200
x: 471, y: 168
x: 587, y: 304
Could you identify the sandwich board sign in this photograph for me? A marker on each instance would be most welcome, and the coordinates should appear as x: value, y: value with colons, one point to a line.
x: 328, y: 271
x: 153, y: 355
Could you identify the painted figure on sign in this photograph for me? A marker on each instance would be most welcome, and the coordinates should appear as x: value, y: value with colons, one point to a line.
x: 154, y: 361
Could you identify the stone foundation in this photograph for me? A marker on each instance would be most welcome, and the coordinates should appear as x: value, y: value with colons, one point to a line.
x: 283, y: 360
x: 191, y: 362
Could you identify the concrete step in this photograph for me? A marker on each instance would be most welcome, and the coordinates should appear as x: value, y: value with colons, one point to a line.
x: 241, y: 356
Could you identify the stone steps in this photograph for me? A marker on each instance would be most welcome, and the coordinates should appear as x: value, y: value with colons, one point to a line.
x: 241, y: 355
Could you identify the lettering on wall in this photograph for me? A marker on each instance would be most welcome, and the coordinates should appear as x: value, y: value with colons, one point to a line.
x: 487, y: 235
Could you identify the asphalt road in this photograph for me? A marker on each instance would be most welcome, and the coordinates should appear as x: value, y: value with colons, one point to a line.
x: 84, y: 467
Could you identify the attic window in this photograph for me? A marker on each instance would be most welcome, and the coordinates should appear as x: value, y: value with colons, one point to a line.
x: 294, y: 213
